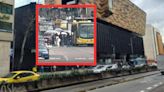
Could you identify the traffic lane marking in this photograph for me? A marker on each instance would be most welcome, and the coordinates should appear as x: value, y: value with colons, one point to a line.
x: 149, y: 88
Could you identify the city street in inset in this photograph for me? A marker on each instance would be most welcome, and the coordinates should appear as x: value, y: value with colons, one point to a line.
x: 66, y: 35
x: 71, y: 54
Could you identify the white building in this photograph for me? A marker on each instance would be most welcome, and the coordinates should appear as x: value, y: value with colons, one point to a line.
x: 6, y: 29
x: 150, y: 43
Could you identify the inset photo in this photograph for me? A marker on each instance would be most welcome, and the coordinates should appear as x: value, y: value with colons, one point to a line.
x: 65, y: 35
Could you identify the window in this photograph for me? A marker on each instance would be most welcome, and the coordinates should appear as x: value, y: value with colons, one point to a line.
x: 28, y: 74
x: 5, y: 8
x: 110, y: 3
x: 109, y: 67
x: 5, y: 26
x: 25, y: 75
x: 10, y: 75
x: 100, y: 67
x: 86, y: 31
x: 20, y: 75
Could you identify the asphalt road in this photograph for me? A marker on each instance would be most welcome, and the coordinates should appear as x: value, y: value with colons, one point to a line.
x: 158, y: 89
x: 138, y: 85
x: 146, y: 84
x: 71, y: 54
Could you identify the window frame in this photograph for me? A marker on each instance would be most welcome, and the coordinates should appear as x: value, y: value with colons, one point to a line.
x: 23, y: 75
x: 6, y: 26
x: 6, y: 8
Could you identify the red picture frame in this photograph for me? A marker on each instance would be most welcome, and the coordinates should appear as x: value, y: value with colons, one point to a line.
x: 65, y: 63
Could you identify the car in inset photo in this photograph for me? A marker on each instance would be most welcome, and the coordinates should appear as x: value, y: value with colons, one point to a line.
x: 43, y: 52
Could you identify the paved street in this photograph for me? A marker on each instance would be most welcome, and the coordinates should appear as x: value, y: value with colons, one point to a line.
x: 139, y: 85
x: 71, y: 54
x: 158, y: 89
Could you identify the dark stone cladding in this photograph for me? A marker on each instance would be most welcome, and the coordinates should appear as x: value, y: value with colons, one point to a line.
x: 109, y: 34
x: 23, y: 17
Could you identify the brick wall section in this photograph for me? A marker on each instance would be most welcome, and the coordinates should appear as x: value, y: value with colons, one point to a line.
x: 128, y: 16
x: 160, y: 44
x: 125, y: 15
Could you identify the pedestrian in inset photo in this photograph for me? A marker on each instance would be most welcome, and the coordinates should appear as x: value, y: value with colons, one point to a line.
x: 53, y: 39
x: 61, y: 36
x: 65, y: 39
x: 58, y: 40
x: 68, y: 39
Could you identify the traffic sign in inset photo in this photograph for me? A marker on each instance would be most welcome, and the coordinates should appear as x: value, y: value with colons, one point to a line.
x: 66, y: 35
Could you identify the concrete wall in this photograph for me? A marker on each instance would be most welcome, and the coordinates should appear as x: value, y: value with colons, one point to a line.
x: 4, y: 57
x: 10, y: 20
x: 153, y: 45
x: 150, y: 43
x: 5, y: 41
x: 155, y: 38
x: 6, y: 36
